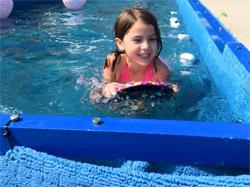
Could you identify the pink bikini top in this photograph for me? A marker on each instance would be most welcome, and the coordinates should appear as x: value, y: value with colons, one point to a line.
x: 148, y: 76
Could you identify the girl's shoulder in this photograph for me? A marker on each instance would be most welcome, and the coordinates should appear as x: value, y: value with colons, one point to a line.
x: 109, y: 60
x: 162, y: 69
x: 112, y: 66
x: 112, y: 59
x: 162, y: 64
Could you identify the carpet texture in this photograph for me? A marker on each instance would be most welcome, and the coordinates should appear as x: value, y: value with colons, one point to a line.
x: 26, y: 167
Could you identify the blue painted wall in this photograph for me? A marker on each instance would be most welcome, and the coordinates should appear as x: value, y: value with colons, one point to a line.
x: 228, y: 60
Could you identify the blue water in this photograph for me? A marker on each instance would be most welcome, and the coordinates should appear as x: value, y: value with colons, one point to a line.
x: 51, y: 58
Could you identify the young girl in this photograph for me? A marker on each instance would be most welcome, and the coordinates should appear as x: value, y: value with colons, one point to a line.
x: 139, y: 44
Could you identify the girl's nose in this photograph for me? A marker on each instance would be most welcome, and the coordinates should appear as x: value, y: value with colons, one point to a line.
x: 145, y: 44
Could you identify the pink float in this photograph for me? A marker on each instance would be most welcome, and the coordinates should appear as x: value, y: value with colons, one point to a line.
x: 6, y: 7
x: 74, y: 4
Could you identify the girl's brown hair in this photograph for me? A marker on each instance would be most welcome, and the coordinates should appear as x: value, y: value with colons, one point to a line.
x: 126, y: 20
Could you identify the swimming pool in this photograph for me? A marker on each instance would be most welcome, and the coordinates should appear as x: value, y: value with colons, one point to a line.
x: 51, y: 54
x: 47, y: 65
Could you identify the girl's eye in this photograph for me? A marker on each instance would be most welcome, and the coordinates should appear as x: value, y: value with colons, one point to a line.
x: 152, y: 39
x: 137, y: 40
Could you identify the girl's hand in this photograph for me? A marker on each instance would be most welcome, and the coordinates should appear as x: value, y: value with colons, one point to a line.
x: 96, y: 95
x: 110, y: 89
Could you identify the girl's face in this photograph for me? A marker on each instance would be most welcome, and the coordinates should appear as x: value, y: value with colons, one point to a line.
x: 139, y: 44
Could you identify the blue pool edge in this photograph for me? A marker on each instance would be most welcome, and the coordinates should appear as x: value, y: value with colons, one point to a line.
x: 224, y: 37
x: 187, y: 142
x: 227, y: 60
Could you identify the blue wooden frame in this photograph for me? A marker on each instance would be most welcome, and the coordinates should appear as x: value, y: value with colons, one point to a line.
x: 225, y: 144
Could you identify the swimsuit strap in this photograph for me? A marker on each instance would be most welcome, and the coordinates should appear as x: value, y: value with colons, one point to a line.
x: 148, y: 76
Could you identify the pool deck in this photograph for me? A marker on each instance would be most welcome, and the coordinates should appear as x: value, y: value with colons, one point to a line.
x: 235, y: 18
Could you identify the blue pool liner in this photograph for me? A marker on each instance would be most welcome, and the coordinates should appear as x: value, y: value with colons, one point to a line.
x: 226, y: 58
x: 26, y: 167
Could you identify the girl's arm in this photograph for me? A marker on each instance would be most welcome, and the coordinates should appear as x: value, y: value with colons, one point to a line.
x: 164, y: 73
x: 110, y: 84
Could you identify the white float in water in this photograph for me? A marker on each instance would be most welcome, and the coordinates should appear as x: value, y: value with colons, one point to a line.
x: 187, y: 58
x: 6, y: 7
x: 74, y: 4
x: 173, y: 12
x: 174, y: 22
x: 183, y: 36
x: 185, y: 73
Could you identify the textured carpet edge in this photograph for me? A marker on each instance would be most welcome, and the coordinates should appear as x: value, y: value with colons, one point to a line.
x: 27, y: 167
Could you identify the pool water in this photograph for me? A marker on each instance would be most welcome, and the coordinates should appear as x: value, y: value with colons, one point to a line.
x: 52, y: 57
